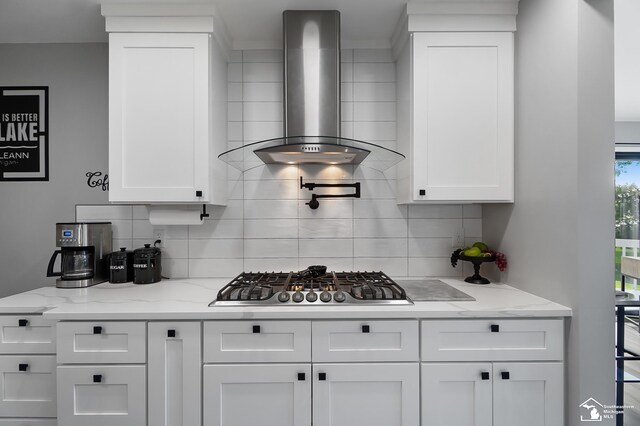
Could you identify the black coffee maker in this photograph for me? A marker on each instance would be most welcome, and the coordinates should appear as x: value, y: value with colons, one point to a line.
x: 147, y: 265
x: 121, y: 266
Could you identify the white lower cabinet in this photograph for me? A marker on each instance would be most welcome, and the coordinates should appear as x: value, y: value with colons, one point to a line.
x: 257, y: 394
x: 28, y: 386
x: 498, y: 394
x: 174, y: 373
x: 366, y: 394
x: 102, y: 395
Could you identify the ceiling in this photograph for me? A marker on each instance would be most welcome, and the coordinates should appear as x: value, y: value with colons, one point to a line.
x: 250, y: 23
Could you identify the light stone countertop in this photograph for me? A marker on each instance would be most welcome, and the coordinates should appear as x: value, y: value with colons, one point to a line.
x: 189, y: 299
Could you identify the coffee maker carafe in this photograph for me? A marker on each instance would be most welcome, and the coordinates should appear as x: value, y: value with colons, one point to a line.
x: 84, y: 250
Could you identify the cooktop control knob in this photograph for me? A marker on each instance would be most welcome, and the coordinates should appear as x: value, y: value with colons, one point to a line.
x: 339, y: 296
x: 325, y: 296
x: 312, y: 296
x: 284, y: 297
x: 297, y: 297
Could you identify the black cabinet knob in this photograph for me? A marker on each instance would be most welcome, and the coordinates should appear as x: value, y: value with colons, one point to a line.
x: 23, y: 367
x: 484, y: 375
x: 256, y: 329
x: 171, y: 333
x: 495, y: 328
x: 23, y: 322
x: 198, y: 193
x: 504, y: 375
x: 365, y: 328
x: 422, y: 192
x: 97, y: 378
x: 322, y: 376
x: 97, y: 330
x: 301, y: 376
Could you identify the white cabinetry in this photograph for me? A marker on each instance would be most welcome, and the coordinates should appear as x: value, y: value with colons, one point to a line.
x: 456, y: 105
x: 174, y: 374
x: 257, y: 394
x: 27, y: 371
x: 167, y: 108
x: 492, y: 393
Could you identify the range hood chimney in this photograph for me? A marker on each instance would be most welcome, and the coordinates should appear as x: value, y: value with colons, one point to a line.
x: 311, y: 47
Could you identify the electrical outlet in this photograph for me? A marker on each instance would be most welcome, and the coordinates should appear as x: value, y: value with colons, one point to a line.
x: 158, y: 234
x: 457, y: 240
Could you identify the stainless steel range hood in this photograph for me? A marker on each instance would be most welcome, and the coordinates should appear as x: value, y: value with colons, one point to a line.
x: 311, y: 103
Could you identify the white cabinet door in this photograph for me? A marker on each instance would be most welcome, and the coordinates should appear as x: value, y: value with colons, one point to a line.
x: 462, y: 127
x: 456, y: 394
x: 27, y: 334
x: 366, y: 394
x: 528, y: 394
x: 158, y: 117
x: 102, y: 395
x: 27, y: 386
x: 174, y: 372
x: 257, y: 394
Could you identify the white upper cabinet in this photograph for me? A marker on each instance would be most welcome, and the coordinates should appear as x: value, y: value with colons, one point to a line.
x: 167, y: 111
x: 456, y: 107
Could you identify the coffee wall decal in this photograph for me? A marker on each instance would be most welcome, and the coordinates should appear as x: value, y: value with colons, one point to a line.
x: 96, y: 180
x: 24, y: 133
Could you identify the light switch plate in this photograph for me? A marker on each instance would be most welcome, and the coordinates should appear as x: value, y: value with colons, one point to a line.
x: 457, y: 240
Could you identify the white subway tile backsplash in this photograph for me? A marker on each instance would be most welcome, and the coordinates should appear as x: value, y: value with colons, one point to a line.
x: 262, y: 111
x: 374, y: 111
x: 263, y: 248
x: 372, y: 55
x: 271, y: 72
x: 374, y: 72
x: 270, y: 209
x: 94, y: 213
x: 374, y: 92
x: 266, y: 225
x: 215, y: 268
x: 380, y: 247
x: 326, y: 228
x: 374, y: 130
x: 270, y: 228
x: 324, y: 248
x: 262, y: 92
x: 118, y: 244
x: 224, y: 248
x: 379, y: 228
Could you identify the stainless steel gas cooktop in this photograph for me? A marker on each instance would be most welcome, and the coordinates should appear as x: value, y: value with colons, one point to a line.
x: 312, y: 287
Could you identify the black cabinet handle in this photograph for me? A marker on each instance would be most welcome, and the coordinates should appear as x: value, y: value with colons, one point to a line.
x: 256, y: 329
x: 97, y: 378
x: 23, y: 367
x: 97, y: 330
x: 301, y: 376
x: 23, y: 323
x: 422, y: 192
x: 504, y: 375
x: 484, y: 375
x: 171, y: 333
x: 198, y: 193
x: 322, y: 376
x: 365, y: 329
x: 495, y: 328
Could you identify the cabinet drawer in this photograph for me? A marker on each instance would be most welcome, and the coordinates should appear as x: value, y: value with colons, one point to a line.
x: 28, y: 386
x: 26, y: 334
x: 102, y: 395
x: 492, y: 340
x: 101, y: 342
x: 28, y: 422
x: 257, y: 341
x: 345, y: 341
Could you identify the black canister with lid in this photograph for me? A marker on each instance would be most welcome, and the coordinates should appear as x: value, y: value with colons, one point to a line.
x: 121, y: 266
x: 147, y: 265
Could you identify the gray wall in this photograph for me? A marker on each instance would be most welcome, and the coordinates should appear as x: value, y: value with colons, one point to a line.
x: 78, y: 87
x: 559, y: 234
